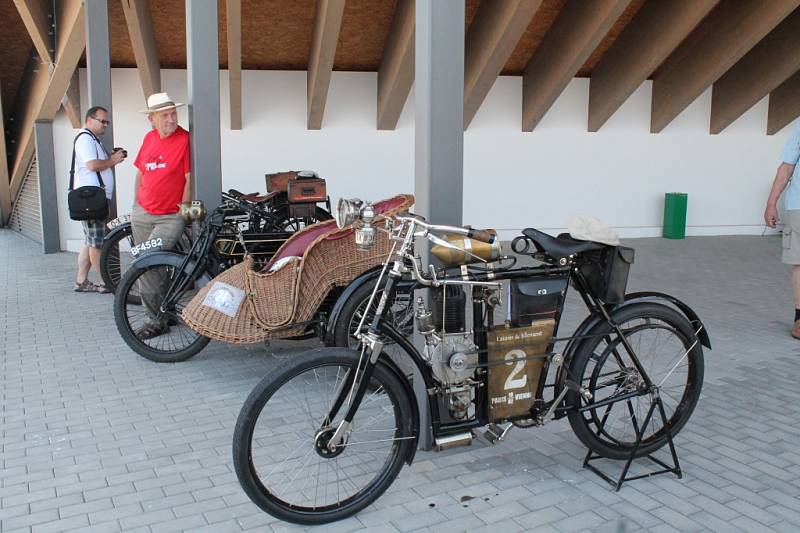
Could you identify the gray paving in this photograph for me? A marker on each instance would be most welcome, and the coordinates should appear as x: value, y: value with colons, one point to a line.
x: 96, y: 438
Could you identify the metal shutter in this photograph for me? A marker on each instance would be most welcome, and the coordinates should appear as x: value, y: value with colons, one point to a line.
x: 26, y: 214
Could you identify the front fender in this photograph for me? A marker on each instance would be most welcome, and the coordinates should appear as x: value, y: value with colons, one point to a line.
x: 122, y: 228
x: 370, y: 275
x: 167, y: 257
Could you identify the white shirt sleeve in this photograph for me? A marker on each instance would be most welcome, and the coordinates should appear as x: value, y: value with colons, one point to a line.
x: 86, y: 150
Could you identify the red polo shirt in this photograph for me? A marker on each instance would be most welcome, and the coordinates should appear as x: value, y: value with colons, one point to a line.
x: 163, y: 164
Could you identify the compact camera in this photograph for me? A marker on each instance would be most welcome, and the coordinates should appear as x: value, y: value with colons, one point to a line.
x: 117, y: 149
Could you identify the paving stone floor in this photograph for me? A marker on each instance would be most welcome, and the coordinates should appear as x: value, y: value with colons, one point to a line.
x: 95, y: 438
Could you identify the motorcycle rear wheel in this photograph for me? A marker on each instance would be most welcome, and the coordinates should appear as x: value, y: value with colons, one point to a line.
x: 667, y: 348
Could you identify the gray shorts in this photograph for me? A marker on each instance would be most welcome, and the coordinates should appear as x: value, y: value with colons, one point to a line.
x: 791, y: 237
x: 94, y: 231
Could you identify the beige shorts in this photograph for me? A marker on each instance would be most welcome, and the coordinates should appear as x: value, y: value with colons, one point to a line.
x: 791, y: 237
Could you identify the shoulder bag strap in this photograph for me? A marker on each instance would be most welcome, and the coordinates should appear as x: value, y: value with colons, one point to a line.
x: 72, y: 165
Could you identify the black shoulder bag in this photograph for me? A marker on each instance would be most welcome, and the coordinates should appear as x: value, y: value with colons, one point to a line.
x: 88, y: 202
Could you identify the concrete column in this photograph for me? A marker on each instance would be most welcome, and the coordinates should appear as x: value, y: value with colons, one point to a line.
x: 48, y: 190
x: 438, y: 129
x: 98, y: 69
x: 202, y: 65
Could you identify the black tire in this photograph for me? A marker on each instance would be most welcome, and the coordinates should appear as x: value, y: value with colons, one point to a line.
x: 280, y: 419
x: 113, y: 263
x: 400, y: 316
x: 667, y: 347
x: 180, y: 342
x: 285, y: 222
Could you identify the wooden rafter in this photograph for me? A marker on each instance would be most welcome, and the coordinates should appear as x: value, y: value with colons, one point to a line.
x: 72, y: 99
x: 5, y: 185
x: 654, y: 33
x: 48, y: 92
x: 492, y: 37
x: 784, y: 105
x: 37, y: 17
x: 724, y: 37
x: 327, y: 24
x: 396, y: 71
x: 770, y: 63
x: 576, y: 32
x: 234, y: 18
x: 143, y: 42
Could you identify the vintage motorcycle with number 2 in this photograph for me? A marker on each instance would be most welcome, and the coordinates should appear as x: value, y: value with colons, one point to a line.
x: 326, y: 433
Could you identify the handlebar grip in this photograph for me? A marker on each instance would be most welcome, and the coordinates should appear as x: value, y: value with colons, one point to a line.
x: 482, y: 235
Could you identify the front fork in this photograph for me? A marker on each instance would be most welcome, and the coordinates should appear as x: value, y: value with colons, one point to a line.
x: 354, y: 390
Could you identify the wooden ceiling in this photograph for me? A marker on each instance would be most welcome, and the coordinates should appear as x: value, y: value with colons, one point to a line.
x: 276, y: 35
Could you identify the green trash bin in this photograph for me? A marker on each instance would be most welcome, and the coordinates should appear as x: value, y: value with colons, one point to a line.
x: 675, y: 215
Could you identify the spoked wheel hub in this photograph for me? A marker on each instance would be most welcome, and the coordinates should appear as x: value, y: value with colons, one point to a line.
x: 322, y: 443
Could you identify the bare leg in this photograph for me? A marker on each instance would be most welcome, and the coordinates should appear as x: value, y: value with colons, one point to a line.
x: 83, y: 264
x: 796, y: 285
x: 94, y: 257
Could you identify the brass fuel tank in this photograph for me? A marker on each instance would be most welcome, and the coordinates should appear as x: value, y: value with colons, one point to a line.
x: 462, y: 250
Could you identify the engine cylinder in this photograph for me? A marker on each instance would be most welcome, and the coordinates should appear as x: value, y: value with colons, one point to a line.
x: 452, y: 318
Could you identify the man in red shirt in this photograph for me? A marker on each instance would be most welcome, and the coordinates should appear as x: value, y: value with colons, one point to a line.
x: 163, y: 181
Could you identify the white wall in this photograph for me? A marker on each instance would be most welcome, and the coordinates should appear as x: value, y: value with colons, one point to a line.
x: 511, y: 179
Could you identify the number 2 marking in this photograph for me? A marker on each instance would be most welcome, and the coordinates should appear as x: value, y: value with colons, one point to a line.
x: 511, y: 381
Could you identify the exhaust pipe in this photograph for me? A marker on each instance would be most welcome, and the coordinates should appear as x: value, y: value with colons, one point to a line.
x: 451, y: 441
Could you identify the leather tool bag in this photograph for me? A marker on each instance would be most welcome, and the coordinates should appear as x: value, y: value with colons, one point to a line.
x: 307, y: 189
x: 88, y: 202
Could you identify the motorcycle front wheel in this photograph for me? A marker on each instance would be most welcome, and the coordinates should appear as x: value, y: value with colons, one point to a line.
x: 138, y: 305
x: 279, y: 444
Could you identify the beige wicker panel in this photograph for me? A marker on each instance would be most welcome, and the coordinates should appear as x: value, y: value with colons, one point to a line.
x: 271, y: 295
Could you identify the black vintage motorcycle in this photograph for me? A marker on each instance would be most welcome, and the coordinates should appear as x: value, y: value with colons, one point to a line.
x: 273, y: 213
x: 326, y: 433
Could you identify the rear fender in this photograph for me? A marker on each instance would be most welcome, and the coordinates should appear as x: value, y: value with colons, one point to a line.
x: 691, y: 315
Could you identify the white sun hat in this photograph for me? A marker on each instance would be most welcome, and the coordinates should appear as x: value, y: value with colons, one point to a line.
x: 160, y: 102
x: 586, y: 228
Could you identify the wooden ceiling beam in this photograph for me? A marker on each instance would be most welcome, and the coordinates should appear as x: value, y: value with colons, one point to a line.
x: 490, y: 41
x: 653, y: 34
x: 574, y: 35
x: 327, y: 23
x: 37, y: 16
x: 723, y: 38
x: 48, y: 92
x: 233, y: 10
x: 5, y: 184
x: 770, y: 63
x: 396, y: 70
x: 72, y: 99
x: 143, y: 42
x: 784, y: 104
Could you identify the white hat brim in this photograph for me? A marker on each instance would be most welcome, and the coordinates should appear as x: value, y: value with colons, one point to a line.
x: 148, y: 111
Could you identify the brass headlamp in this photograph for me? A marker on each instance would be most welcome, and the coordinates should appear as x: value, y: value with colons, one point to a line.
x: 192, y: 211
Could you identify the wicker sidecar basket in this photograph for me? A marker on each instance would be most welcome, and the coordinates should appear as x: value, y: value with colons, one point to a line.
x: 279, y: 301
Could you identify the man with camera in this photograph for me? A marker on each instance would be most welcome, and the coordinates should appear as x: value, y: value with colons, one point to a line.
x: 93, y: 168
x: 162, y: 183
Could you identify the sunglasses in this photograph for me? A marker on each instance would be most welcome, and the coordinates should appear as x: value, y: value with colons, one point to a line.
x: 101, y: 121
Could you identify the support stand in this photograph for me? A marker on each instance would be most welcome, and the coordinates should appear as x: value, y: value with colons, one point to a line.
x: 617, y: 484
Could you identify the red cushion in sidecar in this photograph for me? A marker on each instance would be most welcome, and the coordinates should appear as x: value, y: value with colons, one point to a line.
x: 298, y: 244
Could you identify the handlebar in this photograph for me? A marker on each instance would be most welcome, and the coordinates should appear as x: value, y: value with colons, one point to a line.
x: 477, y: 234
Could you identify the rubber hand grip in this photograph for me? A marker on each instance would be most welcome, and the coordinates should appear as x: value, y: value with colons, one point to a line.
x: 482, y: 235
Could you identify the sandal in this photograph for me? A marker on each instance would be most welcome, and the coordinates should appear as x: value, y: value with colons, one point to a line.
x: 150, y: 331
x: 88, y: 286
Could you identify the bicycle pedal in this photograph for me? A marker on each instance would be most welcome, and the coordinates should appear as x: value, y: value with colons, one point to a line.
x: 494, y: 433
